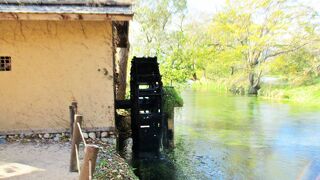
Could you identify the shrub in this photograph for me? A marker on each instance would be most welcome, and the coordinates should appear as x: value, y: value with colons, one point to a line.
x: 171, y: 99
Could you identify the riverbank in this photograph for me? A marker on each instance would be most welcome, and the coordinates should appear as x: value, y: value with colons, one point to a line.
x: 110, y: 165
x: 309, y: 94
x: 303, y: 94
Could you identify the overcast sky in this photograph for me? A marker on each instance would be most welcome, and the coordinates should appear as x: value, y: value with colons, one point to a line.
x: 203, y: 10
x: 197, y: 7
x: 204, y: 6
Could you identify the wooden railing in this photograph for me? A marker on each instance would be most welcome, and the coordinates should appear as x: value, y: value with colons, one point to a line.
x: 90, y: 150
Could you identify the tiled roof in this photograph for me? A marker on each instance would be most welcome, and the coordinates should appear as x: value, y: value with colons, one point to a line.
x: 68, y: 2
x: 68, y: 9
x: 121, y: 7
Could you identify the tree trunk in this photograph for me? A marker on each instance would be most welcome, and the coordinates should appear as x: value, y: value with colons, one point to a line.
x: 194, y: 76
x: 254, y: 84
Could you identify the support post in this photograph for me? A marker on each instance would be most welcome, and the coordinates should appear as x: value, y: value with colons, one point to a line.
x: 122, y: 51
x: 74, y: 104
x: 73, y: 109
x: 122, y: 54
x: 89, y: 162
x: 76, y: 138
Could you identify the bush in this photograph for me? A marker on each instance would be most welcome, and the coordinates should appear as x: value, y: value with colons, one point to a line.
x: 171, y: 99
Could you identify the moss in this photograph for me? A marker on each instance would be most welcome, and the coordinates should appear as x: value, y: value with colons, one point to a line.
x: 171, y: 99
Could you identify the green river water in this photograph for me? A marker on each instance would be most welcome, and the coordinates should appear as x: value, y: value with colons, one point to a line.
x: 232, y: 137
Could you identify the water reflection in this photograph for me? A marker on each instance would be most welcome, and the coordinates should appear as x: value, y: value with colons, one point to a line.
x: 227, y: 137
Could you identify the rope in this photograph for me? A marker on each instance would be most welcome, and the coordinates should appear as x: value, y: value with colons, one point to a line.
x: 81, y: 134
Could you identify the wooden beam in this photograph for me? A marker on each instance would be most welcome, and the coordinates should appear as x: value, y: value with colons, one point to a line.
x: 121, y: 40
x: 64, y: 17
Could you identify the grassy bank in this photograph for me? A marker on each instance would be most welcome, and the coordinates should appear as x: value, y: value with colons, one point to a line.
x: 304, y: 94
x: 209, y: 86
x: 309, y: 94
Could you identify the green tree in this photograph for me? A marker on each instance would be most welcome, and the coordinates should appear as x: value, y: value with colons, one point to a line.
x: 161, y: 34
x: 259, y: 30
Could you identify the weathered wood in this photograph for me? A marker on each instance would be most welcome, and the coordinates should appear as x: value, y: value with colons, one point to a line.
x: 74, y: 104
x: 89, y: 162
x: 62, y: 17
x: 76, y: 138
x: 122, y: 78
x: 121, y: 34
x: 73, y: 110
x: 122, y: 51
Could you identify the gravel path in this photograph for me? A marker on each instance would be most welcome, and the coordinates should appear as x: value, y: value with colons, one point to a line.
x: 35, y: 161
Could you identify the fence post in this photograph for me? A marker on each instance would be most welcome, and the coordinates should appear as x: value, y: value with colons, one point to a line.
x: 76, y: 138
x: 73, y: 108
x: 74, y: 104
x: 89, y: 162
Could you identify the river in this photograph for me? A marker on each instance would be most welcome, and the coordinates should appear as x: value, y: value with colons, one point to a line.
x: 231, y: 137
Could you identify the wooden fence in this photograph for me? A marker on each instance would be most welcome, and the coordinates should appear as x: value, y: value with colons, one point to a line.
x: 90, y: 150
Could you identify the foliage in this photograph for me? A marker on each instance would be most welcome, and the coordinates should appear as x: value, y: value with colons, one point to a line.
x: 161, y: 34
x: 246, y: 40
x: 171, y: 99
x: 300, y: 67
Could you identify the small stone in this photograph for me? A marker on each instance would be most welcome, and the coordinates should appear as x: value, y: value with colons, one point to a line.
x: 67, y: 134
x: 85, y: 135
x: 57, y: 137
x: 28, y: 134
x: 111, y: 141
x: 46, y: 135
x: 113, y: 136
x: 98, y: 134
x: 104, y: 139
x: 22, y: 136
x: 3, y: 141
x: 40, y: 135
x: 104, y: 134
x: 92, y: 135
x: 111, y: 132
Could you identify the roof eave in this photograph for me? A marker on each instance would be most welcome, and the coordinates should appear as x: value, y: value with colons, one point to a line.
x: 64, y: 17
x: 59, y: 12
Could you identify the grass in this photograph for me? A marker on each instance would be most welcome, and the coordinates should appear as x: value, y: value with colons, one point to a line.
x: 304, y: 94
x: 209, y: 86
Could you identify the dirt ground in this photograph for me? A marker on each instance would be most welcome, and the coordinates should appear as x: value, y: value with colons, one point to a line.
x: 35, y: 161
